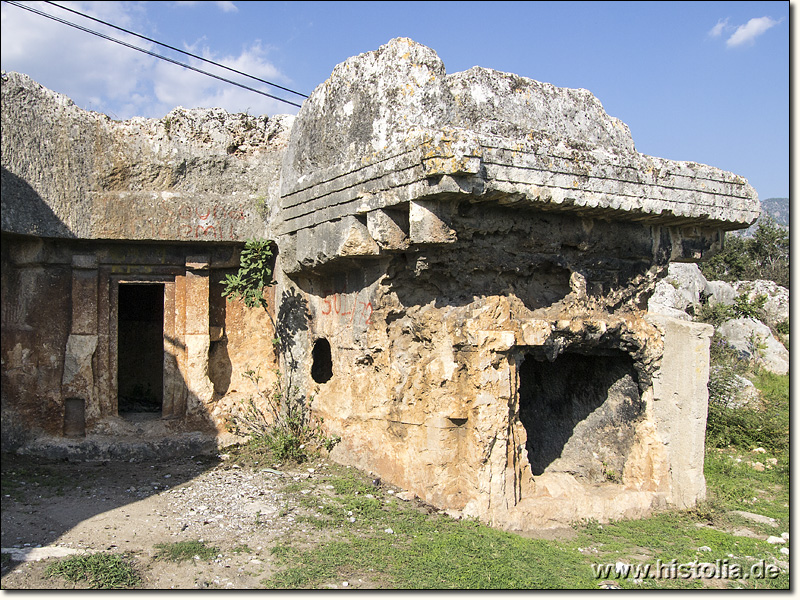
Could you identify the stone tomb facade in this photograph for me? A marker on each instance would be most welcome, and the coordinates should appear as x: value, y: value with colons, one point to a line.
x: 464, y: 259
x: 115, y: 237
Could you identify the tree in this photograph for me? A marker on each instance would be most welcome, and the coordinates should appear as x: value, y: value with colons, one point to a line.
x: 764, y: 256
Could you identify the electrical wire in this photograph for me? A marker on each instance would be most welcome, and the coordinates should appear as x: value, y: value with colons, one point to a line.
x: 216, y: 64
x: 154, y: 54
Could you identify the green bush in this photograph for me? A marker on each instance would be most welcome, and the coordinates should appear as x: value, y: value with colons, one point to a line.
x: 254, y: 274
x: 742, y: 307
x: 764, y: 256
x: 715, y: 314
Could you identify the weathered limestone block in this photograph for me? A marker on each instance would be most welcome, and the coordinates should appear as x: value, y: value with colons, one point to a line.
x: 720, y: 292
x: 426, y: 226
x: 195, y: 175
x: 386, y: 227
x: 494, y: 137
x: 680, y: 405
x: 680, y: 293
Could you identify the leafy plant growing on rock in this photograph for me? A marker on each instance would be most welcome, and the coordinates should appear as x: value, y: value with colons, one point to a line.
x: 742, y: 307
x: 285, y: 426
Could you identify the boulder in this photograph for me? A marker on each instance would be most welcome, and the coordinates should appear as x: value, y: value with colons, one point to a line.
x: 679, y: 294
x: 668, y: 300
x: 720, y: 292
x: 744, y: 333
x: 688, y: 280
x: 776, y: 308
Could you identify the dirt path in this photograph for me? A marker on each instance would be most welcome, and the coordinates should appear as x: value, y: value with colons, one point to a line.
x: 55, y: 508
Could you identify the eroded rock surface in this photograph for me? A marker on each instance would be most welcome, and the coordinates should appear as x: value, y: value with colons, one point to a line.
x: 199, y: 174
x: 464, y: 265
x: 490, y: 351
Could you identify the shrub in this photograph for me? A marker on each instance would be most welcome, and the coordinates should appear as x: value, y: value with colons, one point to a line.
x: 753, y: 309
x: 764, y: 256
x: 278, y: 417
x: 782, y: 327
x: 715, y: 314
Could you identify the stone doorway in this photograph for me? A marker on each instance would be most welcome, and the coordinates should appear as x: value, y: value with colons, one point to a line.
x: 579, y: 412
x: 140, y: 344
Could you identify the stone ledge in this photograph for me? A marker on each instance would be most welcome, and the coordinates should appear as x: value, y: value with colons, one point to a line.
x: 430, y: 164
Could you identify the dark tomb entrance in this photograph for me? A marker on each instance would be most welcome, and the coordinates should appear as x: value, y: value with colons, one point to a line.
x: 321, y: 361
x: 579, y: 413
x: 140, y: 343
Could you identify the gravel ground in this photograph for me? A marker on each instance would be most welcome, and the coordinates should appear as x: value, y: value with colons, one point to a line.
x: 53, y: 509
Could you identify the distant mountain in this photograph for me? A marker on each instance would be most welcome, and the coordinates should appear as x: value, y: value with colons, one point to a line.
x: 777, y: 208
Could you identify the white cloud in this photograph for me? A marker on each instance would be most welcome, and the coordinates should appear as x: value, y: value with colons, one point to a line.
x: 224, y: 6
x: 227, y: 6
x: 717, y: 30
x: 750, y: 31
x: 175, y: 86
x: 94, y: 72
x: 107, y: 77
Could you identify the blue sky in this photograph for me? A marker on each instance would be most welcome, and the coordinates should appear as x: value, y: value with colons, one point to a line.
x: 700, y: 81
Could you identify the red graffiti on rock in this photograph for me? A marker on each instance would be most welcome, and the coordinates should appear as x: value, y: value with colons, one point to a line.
x: 348, y: 309
x: 217, y: 222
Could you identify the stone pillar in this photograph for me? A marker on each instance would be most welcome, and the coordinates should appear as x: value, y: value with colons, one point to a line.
x: 680, y: 405
x: 197, y: 338
x: 174, y: 402
x: 77, y: 383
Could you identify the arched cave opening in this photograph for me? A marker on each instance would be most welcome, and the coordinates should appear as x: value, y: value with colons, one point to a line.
x: 321, y: 361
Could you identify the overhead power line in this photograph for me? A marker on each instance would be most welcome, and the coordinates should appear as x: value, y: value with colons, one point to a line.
x: 216, y: 64
x: 159, y: 56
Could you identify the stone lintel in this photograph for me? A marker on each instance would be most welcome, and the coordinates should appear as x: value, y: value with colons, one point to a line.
x: 198, y: 263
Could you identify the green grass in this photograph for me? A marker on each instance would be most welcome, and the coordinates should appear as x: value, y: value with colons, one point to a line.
x: 418, y: 551
x: 436, y: 552
x: 747, y: 428
x: 99, y: 571
x: 433, y: 553
x: 189, y: 550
